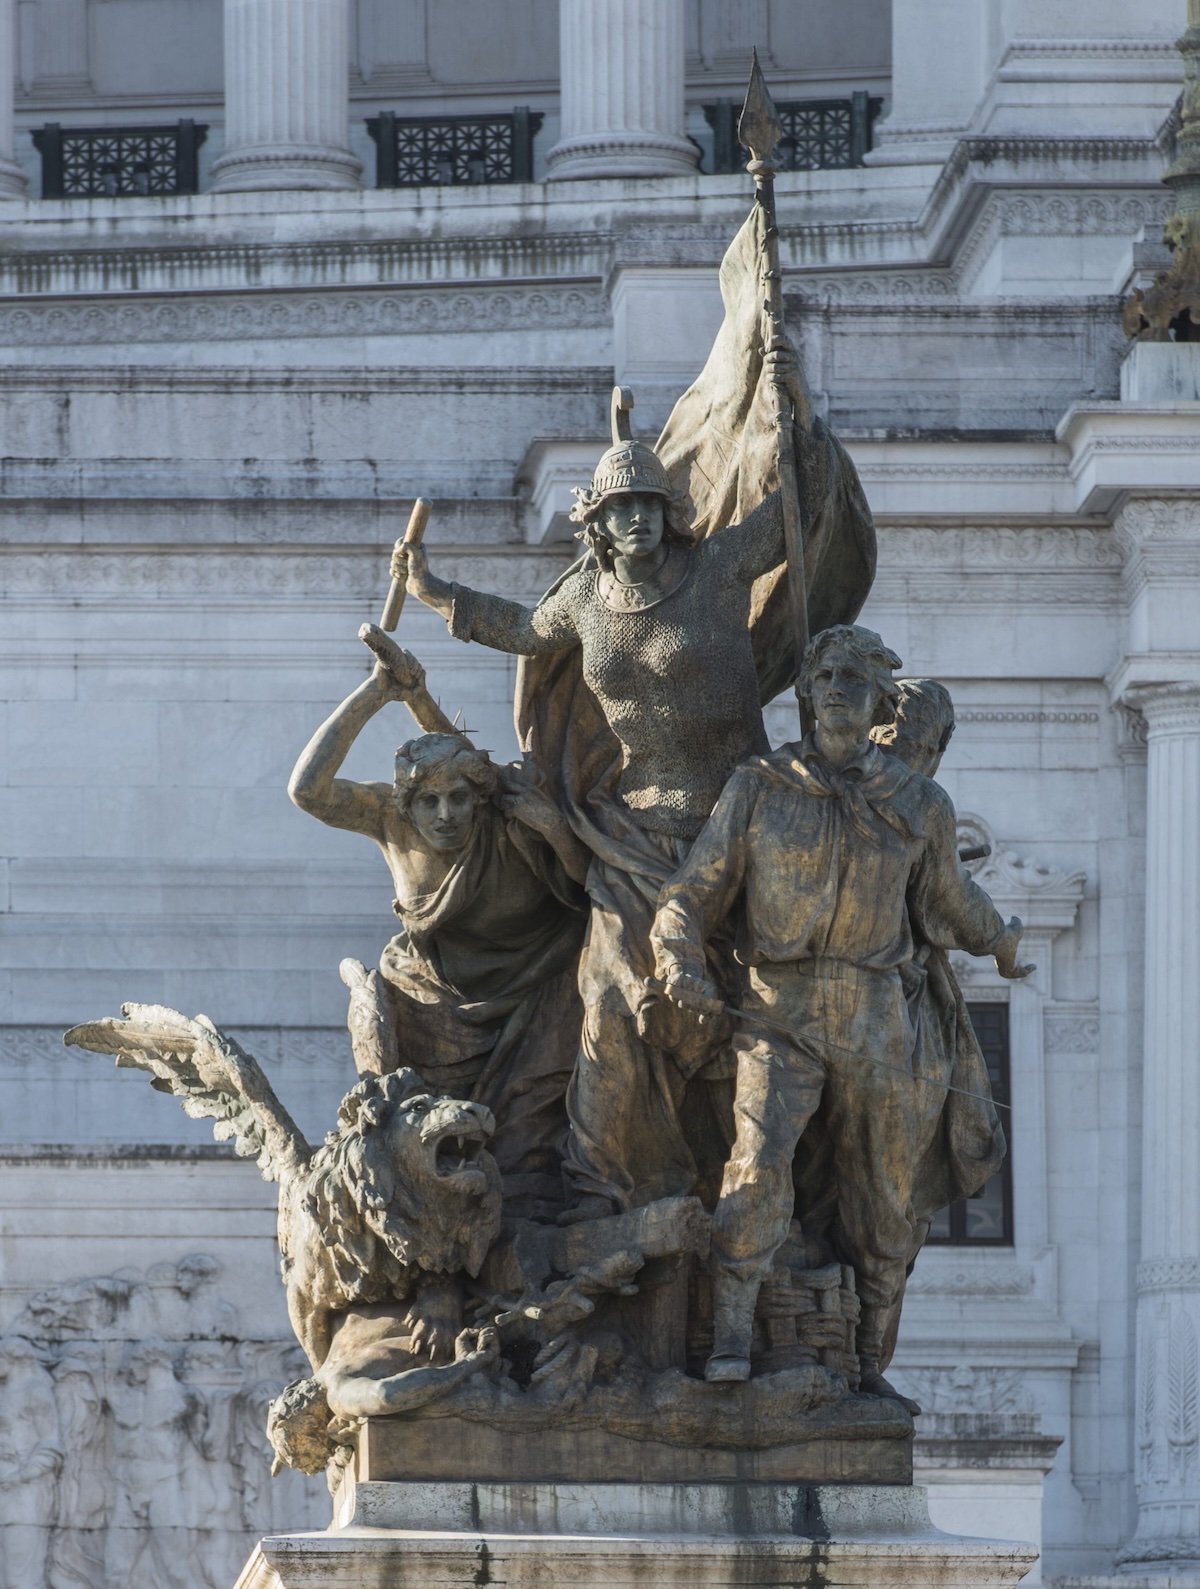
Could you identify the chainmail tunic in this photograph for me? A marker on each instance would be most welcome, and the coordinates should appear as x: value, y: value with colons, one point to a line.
x: 676, y: 680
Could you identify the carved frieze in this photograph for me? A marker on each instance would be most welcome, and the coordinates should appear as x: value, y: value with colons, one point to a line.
x: 132, y: 1444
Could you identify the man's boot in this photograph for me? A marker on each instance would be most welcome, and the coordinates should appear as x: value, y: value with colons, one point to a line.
x: 733, y: 1324
x: 869, y: 1343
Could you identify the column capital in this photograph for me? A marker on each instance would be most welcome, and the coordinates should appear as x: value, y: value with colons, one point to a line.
x: 1163, y: 687
x: 1160, y: 535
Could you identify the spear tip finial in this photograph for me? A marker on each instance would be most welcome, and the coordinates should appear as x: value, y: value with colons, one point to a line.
x: 759, y: 126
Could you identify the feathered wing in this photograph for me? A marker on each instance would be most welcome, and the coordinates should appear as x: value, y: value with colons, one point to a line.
x: 213, y: 1077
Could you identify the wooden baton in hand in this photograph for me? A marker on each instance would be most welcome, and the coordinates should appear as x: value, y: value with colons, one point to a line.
x: 413, y: 536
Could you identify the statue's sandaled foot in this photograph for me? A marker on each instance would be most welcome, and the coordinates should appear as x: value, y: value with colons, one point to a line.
x: 874, y: 1384
x: 593, y: 1206
x: 723, y: 1370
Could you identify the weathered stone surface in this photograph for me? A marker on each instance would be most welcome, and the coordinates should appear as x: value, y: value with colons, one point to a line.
x: 619, y: 1536
x: 758, y: 1432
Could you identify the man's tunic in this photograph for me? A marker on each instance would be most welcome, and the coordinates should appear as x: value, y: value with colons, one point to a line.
x: 835, y: 869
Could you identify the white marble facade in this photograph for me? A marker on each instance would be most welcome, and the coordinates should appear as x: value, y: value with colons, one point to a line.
x: 214, y: 412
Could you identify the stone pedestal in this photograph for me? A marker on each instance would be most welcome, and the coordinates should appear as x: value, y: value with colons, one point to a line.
x: 985, y: 1474
x: 286, y: 87
x: 616, y: 1536
x: 622, y: 91
x: 12, y: 178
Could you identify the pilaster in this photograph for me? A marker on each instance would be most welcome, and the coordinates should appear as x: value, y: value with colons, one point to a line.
x: 12, y: 178
x: 622, y: 91
x: 1167, y: 1423
x: 286, y: 104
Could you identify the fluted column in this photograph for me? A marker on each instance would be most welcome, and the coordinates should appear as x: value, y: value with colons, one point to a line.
x: 12, y: 178
x: 1167, y: 1429
x: 622, y: 90
x: 286, y: 96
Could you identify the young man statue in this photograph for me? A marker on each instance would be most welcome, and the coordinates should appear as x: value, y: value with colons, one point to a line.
x: 477, y: 992
x: 839, y: 853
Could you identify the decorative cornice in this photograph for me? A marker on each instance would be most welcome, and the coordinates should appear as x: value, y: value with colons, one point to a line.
x: 178, y: 573
x: 275, y: 315
x: 1168, y: 1274
x: 341, y: 262
x: 316, y: 379
x: 1117, y: 212
x: 976, y: 548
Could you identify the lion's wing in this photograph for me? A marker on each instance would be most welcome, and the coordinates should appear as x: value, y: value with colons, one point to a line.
x: 212, y: 1076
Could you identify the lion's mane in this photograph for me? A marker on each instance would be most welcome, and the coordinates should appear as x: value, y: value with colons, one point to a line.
x: 376, y: 1217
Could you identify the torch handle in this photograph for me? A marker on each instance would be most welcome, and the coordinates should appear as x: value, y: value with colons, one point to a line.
x: 413, y: 536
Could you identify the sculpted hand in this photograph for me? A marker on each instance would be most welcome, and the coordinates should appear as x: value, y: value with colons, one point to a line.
x: 783, y: 368
x: 691, y: 992
x: 397, y: 674
x: 479, y: 1348
x: 412, y: 565
x: 1006, y: 953
x: 518, y: 797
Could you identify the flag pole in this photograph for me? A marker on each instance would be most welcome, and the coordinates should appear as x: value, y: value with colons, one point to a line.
x: 759, y: 130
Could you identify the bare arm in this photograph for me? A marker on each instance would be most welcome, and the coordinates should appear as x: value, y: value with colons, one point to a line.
x: 314, y: 786
x: 357, y: 1396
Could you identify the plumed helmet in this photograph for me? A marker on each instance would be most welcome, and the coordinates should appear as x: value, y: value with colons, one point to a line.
x: 628, y: 465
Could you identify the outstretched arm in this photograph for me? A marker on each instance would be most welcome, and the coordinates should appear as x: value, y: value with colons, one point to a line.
x: 491, y: 620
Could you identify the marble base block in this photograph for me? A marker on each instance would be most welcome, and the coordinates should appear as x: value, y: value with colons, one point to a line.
x: 617, y: 1536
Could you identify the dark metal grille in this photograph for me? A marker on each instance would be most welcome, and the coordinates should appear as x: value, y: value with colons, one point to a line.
x: 91, y: 162
x: 985, y: 1220
x: 453, y: 150
x: 818, y: 134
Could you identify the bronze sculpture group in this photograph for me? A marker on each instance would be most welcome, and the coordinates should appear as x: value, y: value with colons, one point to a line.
x: 660, y: 996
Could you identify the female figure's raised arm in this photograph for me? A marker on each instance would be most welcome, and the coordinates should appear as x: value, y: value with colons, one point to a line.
x: 491, y: 620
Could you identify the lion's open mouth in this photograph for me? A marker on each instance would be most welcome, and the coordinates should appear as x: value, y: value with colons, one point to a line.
x: 457, y: 1152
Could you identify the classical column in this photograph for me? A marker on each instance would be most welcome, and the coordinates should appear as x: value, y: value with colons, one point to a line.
x: 622, y: 91
x: 12, y: 178
x: 286, y: 87
x: 1167, y: 1427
